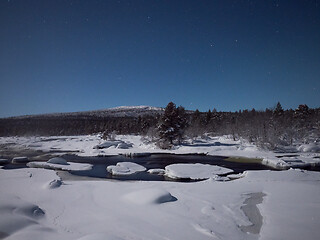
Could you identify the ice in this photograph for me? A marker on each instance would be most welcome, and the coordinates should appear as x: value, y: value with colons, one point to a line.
x: 125, y: 168
x: 195, y: 171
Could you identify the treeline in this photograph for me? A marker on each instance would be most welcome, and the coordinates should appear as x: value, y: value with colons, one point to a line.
x: 270, y: 128
x: 75, y: 125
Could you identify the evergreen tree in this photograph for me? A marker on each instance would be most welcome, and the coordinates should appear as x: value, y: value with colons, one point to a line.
x: 168, y: 129
x: 278, y: 110
x: 173, y: 123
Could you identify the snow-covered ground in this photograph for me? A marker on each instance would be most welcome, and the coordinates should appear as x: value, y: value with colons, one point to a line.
x: 94, y: 145
x: 35, y: 204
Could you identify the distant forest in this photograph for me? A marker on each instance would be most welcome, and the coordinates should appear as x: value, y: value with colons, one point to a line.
x: 269, y: 129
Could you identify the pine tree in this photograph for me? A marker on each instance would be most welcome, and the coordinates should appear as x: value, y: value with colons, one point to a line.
x: 278, y: 110
x: 172, y: 123
x: 168, y: 129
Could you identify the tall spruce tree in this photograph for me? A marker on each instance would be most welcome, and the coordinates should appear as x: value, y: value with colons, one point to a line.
x: 172, y: 123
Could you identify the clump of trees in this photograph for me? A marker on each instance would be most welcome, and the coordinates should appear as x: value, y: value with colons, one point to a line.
x: 270, y: 129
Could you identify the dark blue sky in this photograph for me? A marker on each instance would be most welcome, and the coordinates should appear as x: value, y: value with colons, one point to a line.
x: 60, y: 56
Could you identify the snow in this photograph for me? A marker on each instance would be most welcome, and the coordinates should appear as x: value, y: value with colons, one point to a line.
x: 135, y: 146
x: 125, y: 168
x: 149, y: 196
x: 118, y: 144
x: 157, y: 171
x: 70, y: 166
x: 288, y: 202
x: 194, y: 171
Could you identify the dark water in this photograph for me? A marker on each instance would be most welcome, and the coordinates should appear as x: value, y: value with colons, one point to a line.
x: 153, y: 161
x: 156, y: 161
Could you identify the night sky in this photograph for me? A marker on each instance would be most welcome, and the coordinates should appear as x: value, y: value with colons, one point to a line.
x: 62, y: 56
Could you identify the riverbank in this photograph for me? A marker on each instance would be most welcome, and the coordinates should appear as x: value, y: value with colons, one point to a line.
x: 130, y: 145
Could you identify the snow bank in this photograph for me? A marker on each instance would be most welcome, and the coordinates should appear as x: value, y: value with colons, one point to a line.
x: 17, y: 214
x: 125, y: 168
x: 149, y: 196
x: 69, y: 167
x: 312, y: 147
x: 195, y: 171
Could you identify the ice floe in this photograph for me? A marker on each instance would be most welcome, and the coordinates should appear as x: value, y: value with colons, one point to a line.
x: 60, y: 164
x: 196, y: 171
x: 125, y: 168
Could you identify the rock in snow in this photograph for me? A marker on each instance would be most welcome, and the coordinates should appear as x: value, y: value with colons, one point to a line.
x: 125, y: 168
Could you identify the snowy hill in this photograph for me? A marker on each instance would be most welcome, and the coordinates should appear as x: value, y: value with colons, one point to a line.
x: 122, y: 111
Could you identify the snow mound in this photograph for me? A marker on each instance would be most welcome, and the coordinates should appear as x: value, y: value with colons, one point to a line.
x: 108, y: 144
x: 195, y: 171
x: 20, y: 160
x: 58, y: 160
x: 4, y: 161
x: 18, y: 214
x: 69, y: 167
x: 312, y: 147
x: 115, y: 143
x: 99, y: 236
x: 125, y: 168
x: 53, y: 184
x: 149, y: 196
x: 124, y: 145
x: 157, y: 171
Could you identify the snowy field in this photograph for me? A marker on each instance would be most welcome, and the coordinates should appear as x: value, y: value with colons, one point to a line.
x: 36, y: 204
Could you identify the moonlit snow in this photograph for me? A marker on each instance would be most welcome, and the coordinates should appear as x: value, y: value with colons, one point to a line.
x: 59, y: 163
x: 194, y: 171
x: 288, y: 208
x: 36, y: 204
x: 125, y: 168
